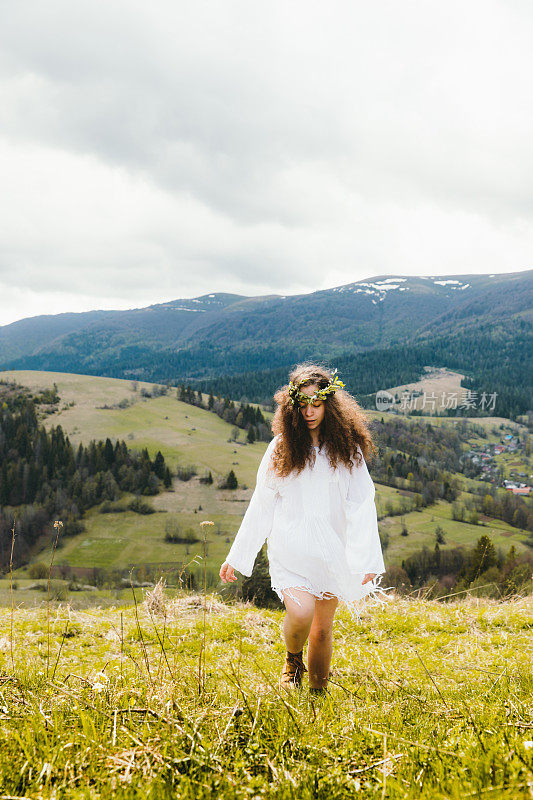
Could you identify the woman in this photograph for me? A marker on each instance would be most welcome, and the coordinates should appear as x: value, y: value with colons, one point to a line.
x: 314, y: 504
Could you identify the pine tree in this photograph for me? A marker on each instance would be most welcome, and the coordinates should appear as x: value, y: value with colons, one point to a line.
x: 231, y: 481
x: 257, y: 587
x: 159, y: 465
x: 482, y: 558
x: 510, y: 559
x: 109, y: 453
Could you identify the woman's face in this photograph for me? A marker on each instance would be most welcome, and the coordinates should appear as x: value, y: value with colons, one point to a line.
x: 313, y: 413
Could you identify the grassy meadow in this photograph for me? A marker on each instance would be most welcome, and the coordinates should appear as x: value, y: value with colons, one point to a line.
x: 177, y: 697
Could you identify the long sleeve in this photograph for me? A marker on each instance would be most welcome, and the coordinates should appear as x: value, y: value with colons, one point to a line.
x: 257, y: 521
x: 363, y: 546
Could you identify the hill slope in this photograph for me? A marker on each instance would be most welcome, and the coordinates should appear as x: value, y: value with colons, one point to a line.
x: 426, y: 700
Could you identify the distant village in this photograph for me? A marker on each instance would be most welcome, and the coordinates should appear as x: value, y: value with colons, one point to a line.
x: 484, y: 455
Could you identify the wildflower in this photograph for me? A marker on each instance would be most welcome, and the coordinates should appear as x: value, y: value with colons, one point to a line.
x: 100, y: 682
x: 528, y: 745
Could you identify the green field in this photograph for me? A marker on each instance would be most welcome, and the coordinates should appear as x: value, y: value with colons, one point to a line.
x: 427, y: 701
x: 188, y: 435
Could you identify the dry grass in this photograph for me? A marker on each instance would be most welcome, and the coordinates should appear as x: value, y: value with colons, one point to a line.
x: 427, y: 699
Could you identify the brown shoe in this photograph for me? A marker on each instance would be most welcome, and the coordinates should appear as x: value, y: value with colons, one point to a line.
x: 293, y: 670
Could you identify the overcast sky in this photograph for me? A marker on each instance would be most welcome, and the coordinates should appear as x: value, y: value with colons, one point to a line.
x: 157, y: 150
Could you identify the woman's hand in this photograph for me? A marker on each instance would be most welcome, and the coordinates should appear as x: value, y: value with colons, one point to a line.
x: 368, y: 577
x: 226, y: 573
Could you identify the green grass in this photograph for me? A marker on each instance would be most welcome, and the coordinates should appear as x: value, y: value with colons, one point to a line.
x: 24, y: 597
x: 427, y: 700
x: 421, y: 527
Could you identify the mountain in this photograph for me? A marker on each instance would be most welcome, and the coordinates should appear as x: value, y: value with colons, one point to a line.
x: 163, y: 324
x: 397, y: 322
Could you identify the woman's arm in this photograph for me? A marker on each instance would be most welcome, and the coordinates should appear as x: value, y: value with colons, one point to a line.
x: 257, y: 521
x: 363, y: 546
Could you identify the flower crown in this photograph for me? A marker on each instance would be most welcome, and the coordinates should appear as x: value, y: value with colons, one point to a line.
x: 321, y: 394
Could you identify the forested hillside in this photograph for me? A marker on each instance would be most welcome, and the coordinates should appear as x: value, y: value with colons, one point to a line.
x: 499, y: 359
x: 43, y: 478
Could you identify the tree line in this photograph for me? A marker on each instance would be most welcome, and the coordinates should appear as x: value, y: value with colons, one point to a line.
x: 241, y: 415
x: 450, y: 571
x: 497, y: 361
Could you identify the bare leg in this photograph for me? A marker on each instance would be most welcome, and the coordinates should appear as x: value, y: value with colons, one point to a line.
x: 298, y: 619
x: 320, y: 646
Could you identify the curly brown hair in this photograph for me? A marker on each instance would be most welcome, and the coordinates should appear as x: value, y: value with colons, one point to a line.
x: 345, y: 425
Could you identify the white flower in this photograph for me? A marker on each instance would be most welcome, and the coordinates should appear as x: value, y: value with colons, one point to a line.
x: 528, y: 745
x: 98, y: 687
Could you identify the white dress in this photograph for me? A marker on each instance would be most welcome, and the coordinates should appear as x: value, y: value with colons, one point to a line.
x: 321, y: 530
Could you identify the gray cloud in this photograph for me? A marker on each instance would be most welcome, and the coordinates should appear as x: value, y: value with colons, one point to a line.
x: 165, y: 150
